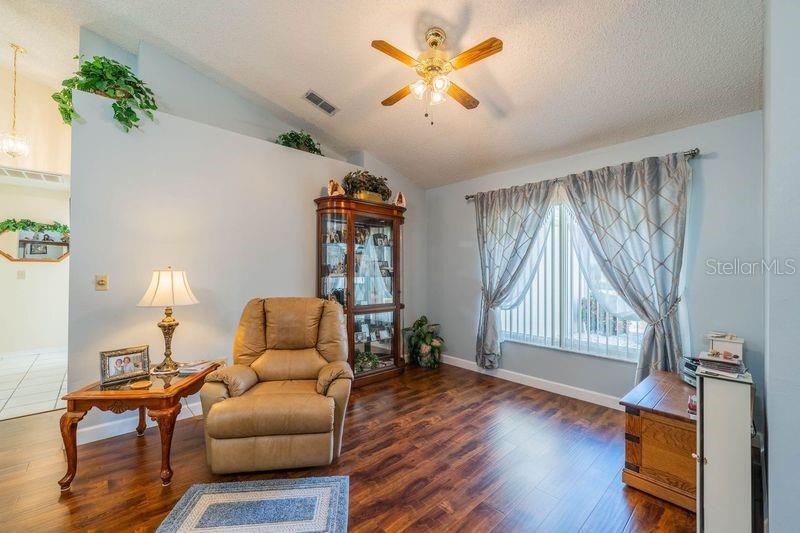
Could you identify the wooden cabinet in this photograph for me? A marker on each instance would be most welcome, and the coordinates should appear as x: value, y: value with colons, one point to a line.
x: 358, y: 265
x: 660, y: 439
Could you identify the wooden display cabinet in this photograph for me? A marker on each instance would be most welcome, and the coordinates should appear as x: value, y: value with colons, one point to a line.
x: 358, y: 265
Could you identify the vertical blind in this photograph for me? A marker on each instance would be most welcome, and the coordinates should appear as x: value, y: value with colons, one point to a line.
x: 559, y: 309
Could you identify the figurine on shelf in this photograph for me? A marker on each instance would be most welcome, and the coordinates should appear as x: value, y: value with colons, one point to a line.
x: 362, y: 234
x: 334, y: 189
x: 337, y: 295
x: 400, y: 200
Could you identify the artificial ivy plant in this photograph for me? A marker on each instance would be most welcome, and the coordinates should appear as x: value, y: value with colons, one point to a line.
x: 363, y: 180
x: 365, y: 361
x: 109, y: 78
x: 299, y: 140
x: 424, y: 343
x: 12, y: 224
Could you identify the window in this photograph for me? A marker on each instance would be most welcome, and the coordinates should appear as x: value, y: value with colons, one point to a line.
x: 570, y: 304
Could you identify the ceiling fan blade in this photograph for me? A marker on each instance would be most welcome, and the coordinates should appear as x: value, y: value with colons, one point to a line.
x: 399, y: 95
x: 461, y: 96
x: 396, y: 53
x: 487, y: 48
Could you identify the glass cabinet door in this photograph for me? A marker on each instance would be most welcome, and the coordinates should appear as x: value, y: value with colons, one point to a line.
x: 374, y: 260
x: 373, y: 341
x: 333, y: 260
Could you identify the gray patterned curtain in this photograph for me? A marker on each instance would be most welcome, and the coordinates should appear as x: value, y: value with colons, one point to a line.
x: 510, y: 242
x: 633, y: 217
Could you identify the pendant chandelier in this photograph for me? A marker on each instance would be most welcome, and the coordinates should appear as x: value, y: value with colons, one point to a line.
x: 12, y: 144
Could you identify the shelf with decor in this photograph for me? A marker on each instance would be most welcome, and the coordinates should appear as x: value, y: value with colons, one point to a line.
x: 358, y: 265
x: 51, y: 243
x: 27, y: 241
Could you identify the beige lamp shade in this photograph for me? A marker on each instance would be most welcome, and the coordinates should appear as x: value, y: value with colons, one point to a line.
x: 168, y: 288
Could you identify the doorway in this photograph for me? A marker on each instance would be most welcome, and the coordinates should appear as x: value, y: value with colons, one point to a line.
x: 34, y: 283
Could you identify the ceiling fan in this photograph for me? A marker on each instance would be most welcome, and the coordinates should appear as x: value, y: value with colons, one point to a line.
x: 433, y: 67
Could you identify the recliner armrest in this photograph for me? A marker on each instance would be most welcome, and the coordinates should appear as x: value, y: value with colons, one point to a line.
x: 237, y: 378
x: 331, y: 372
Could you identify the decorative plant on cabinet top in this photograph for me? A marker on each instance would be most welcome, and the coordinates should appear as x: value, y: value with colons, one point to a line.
x: 109, y: 78
x: 424, y: 343
x: 299, y: 140
x: 362, y: 184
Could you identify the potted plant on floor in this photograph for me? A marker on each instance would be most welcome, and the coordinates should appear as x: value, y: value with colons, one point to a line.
x: 109, y: 78
x: 363, y: 185
x: 299, y: 140
x: 424, y: 343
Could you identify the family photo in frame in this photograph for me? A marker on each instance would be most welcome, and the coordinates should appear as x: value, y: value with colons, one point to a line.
x: 124, y: 364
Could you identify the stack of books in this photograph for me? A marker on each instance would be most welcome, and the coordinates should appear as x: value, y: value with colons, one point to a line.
x: 194, y: 367
x: 725, y: 365
x: 724, y: 358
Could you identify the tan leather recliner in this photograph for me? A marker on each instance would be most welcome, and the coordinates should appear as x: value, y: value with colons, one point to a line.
x: 282, y: 403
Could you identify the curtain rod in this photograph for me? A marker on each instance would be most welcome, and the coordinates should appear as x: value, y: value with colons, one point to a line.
x: 688, y: 154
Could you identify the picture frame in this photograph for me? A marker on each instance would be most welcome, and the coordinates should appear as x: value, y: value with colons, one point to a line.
x: 124, y: 364
x: 38, y: 249
x: 380, y: 239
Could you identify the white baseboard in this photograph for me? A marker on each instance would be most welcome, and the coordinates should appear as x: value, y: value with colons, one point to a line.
x: 606, y: 400
x: 127, y: 424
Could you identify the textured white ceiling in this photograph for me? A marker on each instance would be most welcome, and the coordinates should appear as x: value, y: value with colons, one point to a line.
x: 573, y: 75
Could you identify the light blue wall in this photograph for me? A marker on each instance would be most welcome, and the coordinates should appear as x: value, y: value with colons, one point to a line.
x: 92, y: 44
x: 185, y: 92
x: 782, y: 191
x: 725, y: 222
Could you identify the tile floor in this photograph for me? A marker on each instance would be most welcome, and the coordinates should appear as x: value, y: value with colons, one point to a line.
x: 32, y: 383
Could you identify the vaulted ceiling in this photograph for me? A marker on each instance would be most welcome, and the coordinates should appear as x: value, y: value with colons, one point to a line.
x: 573, y: 75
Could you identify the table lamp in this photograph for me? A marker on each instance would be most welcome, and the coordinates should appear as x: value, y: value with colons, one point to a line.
x: 168, y: 288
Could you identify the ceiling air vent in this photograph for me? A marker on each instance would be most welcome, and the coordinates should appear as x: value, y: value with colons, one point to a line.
x: 321, y: 103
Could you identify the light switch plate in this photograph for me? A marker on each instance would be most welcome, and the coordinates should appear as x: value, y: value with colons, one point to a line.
x: 20, y: 274
x: 100, y: 282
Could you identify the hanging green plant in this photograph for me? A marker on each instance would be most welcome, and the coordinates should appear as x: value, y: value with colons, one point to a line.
x: 424, y: 343
x: 362, y: 181
x: 109, y: 78
x: 24, y: 224
x: 299, y: 140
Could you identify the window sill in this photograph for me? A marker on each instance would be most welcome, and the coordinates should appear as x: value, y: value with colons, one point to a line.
x: 617, y: 359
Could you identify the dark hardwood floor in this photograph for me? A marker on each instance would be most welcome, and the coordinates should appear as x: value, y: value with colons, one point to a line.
x: 449, y: 450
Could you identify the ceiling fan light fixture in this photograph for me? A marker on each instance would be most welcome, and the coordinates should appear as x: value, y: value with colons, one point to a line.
x: 437, y: 97
x: 433, y: 67
x: 418, y: 89
x: 440, y: 84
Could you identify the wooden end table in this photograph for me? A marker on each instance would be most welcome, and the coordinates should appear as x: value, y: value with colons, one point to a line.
x: 162, y: 399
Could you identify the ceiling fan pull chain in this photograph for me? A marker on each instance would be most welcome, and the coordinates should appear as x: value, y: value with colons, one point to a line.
x: 428, y: 110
